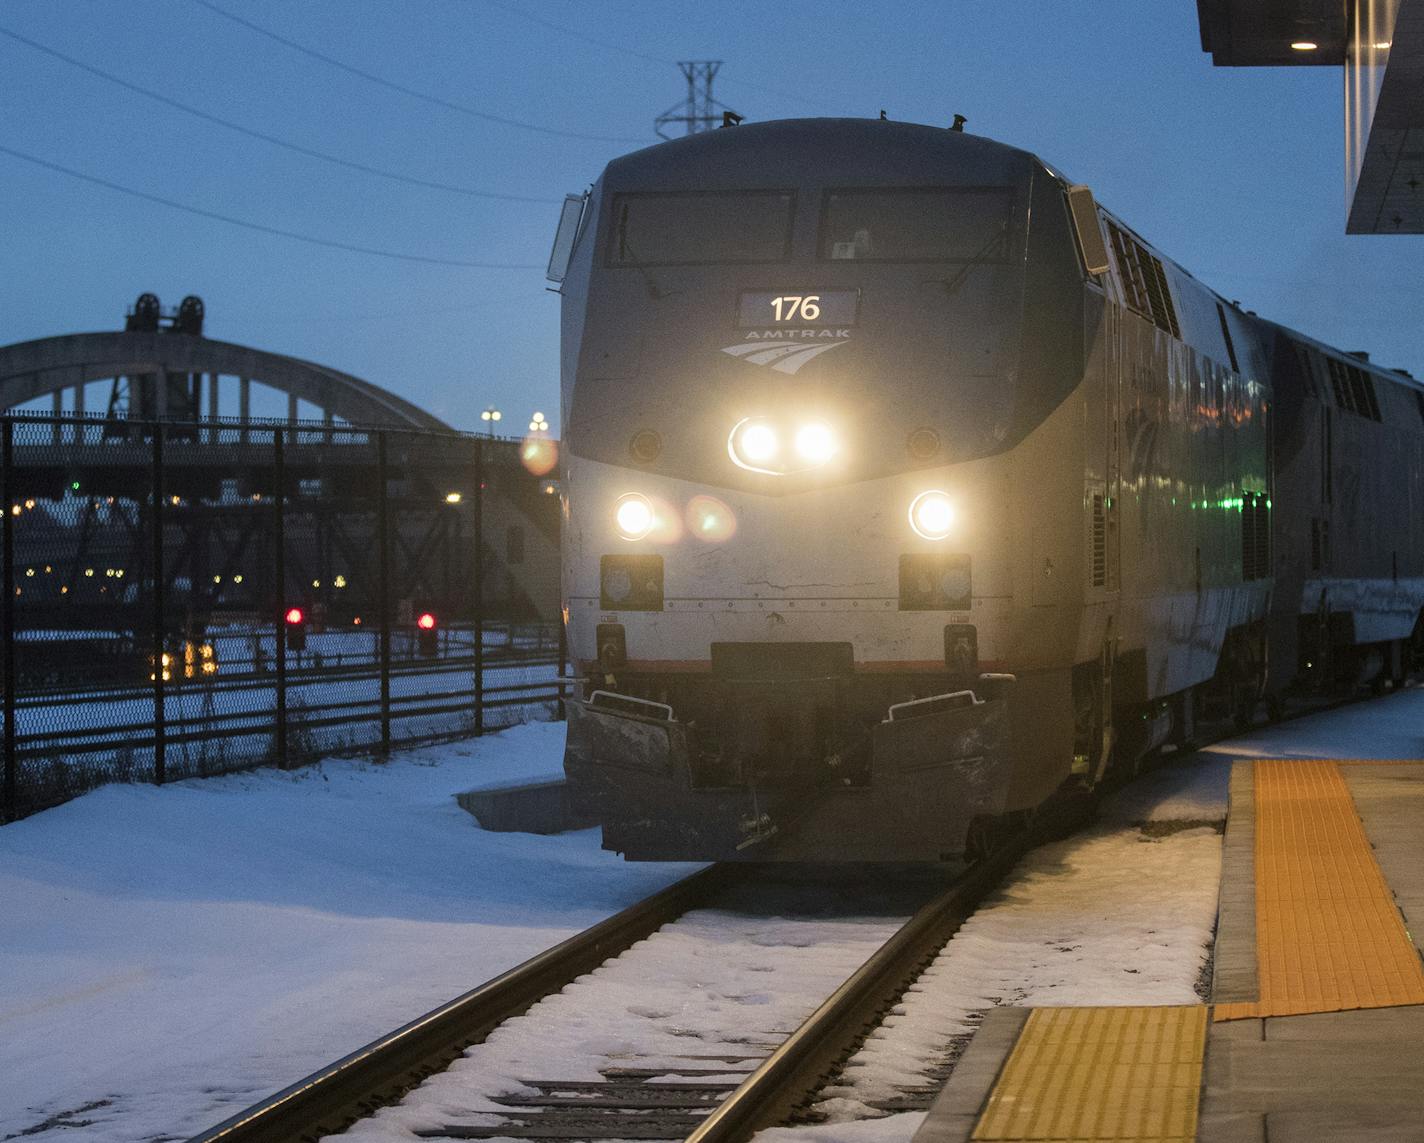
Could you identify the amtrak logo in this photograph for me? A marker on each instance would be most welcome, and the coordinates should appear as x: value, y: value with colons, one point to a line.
x: 790, y: 351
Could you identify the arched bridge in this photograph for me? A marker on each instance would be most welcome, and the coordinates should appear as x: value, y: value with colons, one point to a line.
x: 164, y: 374
x: 83, y: 468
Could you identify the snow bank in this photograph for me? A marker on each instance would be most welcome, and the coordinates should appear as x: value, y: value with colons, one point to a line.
x: 168, y: 956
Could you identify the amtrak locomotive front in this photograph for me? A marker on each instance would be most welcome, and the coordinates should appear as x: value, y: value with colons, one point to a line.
x: 850, y: 412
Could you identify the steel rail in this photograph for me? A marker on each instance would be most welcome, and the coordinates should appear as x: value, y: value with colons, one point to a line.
x: 356, y: 1085
x: 296, y: 676
x: 791, y: 1075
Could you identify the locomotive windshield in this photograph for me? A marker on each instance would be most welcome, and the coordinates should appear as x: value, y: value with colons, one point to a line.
x: 686, y: 229
x: 951, y: 224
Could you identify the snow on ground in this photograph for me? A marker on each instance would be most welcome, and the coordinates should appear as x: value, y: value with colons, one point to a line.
x: 169, y: 956
x: 1387, y: 727
x: 1111, y: 915
x: 717, y: 982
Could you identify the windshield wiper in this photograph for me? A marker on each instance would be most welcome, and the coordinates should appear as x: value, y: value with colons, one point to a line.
x: 951, y: 285
x: 627, y: 257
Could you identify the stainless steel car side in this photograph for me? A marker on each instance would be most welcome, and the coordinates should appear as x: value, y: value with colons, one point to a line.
x: 887, y: 519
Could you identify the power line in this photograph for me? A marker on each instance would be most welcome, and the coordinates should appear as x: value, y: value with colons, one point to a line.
x: 355, y: 249
x: 563, y: 31
x: 438, y: 101
x: 273, y: 139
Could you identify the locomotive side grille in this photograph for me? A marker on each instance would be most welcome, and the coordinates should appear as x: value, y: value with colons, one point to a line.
x: 1354, y: 389
x: 1144, y: 282
x: 1098, y: 550
x: 1344, y: 397
x: 1365, y: 388
x: 1133, y: 291
x: 1255, y: 536
x: 1163, y: 312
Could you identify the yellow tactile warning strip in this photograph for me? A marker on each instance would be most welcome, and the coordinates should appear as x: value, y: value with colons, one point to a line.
x: 1080, y: 1074
x: 1329, y: 936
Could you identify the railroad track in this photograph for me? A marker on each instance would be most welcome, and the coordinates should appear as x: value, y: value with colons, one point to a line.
x: 722, y: 1095
x: 724, y: 1092
x: 381, y: 1072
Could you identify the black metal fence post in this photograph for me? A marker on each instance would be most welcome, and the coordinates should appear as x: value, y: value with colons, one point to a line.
x: 279, y: 595
x: 160, y: 702
x: 478, y: 586
x: 383, y: 588
x: 11, y: 809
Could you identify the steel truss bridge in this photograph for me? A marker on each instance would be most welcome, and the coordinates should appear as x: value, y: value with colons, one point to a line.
x: 88, y: 485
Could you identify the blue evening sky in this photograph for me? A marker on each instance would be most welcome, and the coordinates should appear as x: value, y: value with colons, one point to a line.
x: 1236, y: 173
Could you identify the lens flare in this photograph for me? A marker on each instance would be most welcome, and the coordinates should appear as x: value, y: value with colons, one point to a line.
x: 932, y: 514
x: 710, y: 520
x: 634, y: 516
x: 539, y: 454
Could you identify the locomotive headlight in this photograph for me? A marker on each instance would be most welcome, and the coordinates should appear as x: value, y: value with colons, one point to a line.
x: 932, y: 514
x: 633, y: 515
x: 777, y: 448
x: 815, y: 443
x: 754, y: 445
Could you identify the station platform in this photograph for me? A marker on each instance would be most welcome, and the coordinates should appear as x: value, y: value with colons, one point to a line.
x: 1315, y: 1032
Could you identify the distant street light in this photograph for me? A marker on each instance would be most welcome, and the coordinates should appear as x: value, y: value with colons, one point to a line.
x: 538, y: 424
x: 491, y: 416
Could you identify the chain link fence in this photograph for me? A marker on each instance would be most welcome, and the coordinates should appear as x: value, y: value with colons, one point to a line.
x: 189, y: 599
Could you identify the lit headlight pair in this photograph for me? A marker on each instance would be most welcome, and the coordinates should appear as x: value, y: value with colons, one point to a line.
x: 636, y: 517
x: 931, y: 514
x: 759, y: 444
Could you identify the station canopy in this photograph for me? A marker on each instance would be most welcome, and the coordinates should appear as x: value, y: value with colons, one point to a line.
x: 1380, y: 45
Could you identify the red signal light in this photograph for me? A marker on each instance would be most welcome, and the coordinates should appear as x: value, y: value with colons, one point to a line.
x: 426, y: 622
x: 295, y: 616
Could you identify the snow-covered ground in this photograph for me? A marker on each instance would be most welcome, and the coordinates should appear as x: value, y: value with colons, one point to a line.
x: 169, y: 956
x: 1113, y: 915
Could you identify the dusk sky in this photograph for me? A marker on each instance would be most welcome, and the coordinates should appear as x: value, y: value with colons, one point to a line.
x: 1235, y: 173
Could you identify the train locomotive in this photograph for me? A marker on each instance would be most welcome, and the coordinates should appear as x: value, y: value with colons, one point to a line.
x: 906, y: 488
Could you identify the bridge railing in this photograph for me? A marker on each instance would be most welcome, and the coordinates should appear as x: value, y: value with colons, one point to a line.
x: 187, y: 599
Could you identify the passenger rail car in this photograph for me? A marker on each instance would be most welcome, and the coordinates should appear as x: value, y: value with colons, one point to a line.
x: 906, y: 487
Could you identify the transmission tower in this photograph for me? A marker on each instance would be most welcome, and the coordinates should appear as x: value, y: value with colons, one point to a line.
x: 699, y: 111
